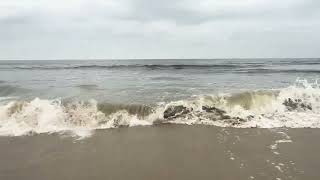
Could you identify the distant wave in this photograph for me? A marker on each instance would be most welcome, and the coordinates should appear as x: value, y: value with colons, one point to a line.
x: 264, y: 70
x: 247, y: 67
x: 146, y: 66
x: 297, y: 106
x: 304, y: 62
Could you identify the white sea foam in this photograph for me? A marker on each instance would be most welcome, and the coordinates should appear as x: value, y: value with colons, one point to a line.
x: 262, y: 109
x: 49, y: 116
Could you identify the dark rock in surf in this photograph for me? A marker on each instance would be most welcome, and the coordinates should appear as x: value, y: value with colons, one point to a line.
x: 207, y: 113
x: 290, y: 104
x: 296, y: 104
x: 175, y: 111
x: 240, y: 119
x: 306, y: 106
x: 226, y: 117
x: 219, y: 114
x: 213, y: 110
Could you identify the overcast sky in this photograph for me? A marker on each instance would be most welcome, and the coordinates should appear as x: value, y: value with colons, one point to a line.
x: 82, y: 29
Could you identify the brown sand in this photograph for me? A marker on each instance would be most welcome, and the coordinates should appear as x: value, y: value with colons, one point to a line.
x: 164, y: 152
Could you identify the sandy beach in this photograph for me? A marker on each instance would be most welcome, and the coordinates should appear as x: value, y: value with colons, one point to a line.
x: 164, y: 152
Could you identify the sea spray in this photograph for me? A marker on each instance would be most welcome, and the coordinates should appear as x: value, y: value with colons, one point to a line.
x: 297, y: 106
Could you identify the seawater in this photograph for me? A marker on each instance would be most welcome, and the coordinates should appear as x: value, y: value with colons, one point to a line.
x: 80, y: 96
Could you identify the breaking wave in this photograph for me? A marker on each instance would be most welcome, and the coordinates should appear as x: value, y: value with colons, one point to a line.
x: 297, y: 106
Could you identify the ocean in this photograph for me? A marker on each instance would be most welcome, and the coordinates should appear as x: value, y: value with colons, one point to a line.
x: 50, y: 96
x: 244, y: 110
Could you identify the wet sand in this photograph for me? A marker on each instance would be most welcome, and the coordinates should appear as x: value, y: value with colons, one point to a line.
x: 164, y: 152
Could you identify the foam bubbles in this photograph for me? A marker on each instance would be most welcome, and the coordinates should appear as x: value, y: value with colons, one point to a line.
x: 261, y: 109
x: 48, y: 116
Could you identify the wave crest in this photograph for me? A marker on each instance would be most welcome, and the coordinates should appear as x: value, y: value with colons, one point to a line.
x: 297, y: 106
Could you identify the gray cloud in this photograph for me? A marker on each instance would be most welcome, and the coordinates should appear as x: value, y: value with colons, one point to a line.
x: 47, y: 29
